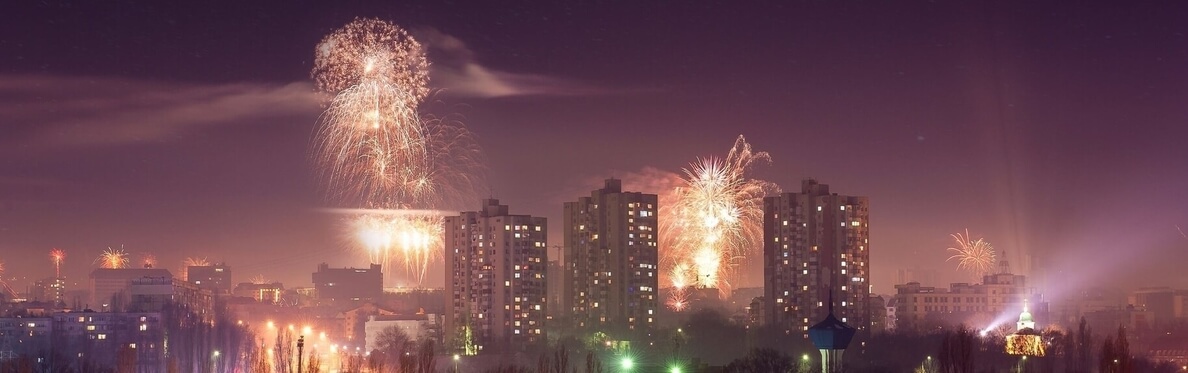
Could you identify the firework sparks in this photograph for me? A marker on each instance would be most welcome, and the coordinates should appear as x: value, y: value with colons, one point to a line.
x: 113, y: 258
x: 375, y: 150
x: 975, y: 256
x: 373, y: 147
x: 678, y: 299
x: 1181, y: 232
x: 195, y: 262
x: 57, y: 256
x: 412, y: 241
x: 148, y: 260
x: 712, y: 220
x: 259, y: 280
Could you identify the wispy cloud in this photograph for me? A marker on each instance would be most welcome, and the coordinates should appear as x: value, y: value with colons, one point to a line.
x: 55, y: 112
x: 457, y: 71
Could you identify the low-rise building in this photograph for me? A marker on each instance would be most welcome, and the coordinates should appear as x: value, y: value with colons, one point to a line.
x: 418, y: 327
x: 980, y: 305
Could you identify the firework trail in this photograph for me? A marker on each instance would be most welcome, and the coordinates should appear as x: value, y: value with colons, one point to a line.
x: 1181, y: 232
x: 258, y: 280
x: 374, y: 150
x: 113, y: 258
x: 4, y: 284
x: 975, y: 256
x: 57, y: 256
x: 712, y: 220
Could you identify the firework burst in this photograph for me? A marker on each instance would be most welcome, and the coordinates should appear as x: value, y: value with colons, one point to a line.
x: 113, y: 258
x: 57, y: 256
x: 259, y: 280
x: 413, y: 241
x: 975, y: 256
x: 195, y: 262
x: 148, y: 260
x: 374, y: 149
x: 712, y: 220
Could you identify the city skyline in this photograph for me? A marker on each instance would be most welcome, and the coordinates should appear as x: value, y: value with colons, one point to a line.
x: 1012, y: 122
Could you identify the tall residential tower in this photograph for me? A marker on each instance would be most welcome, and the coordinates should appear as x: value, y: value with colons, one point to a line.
x: 816, y: 248
x: 495, y: 279
x: 611, y: 260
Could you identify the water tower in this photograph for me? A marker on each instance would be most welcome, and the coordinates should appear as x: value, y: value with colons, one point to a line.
x: 831, y: 336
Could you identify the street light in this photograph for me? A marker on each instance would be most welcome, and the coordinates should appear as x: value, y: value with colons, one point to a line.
x: 626, y: 363
x: 674, y: 369
x: 215, y: 365
x: 456, y: 359
x: 804, y: 357
x: 300, y: 348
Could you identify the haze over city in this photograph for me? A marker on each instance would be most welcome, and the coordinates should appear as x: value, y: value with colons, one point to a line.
x: 1054, y: 132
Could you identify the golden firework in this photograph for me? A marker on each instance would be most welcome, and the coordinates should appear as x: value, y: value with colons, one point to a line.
x: 113, y: 258
x: 975, y: 256
x: 148, y: 260
x: 714, y: 219
x: 374, y: 149
x: 412, y: 241
x: 57, y: 256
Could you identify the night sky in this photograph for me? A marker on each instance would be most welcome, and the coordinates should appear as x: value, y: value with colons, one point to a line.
x: 1053, y: 129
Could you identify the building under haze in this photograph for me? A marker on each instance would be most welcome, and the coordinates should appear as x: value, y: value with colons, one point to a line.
x: 348, y: 284
x: 816, y: 248
x: 611, y: 259
x: 216, y: 278
x: 111, y: 287
x: 51, y: 289
x: 992, y: 302
x: 495, y: 279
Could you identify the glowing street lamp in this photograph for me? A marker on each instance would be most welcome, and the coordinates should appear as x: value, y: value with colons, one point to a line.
x: 627, y: 364
x: 456, y: 359
x: 674, y: 369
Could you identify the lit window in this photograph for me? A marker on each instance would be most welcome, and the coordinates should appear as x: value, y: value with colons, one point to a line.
x: 101, y: 336
x: 143, y: 327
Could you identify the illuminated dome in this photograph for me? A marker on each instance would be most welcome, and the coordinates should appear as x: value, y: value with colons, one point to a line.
x: 1025, y: 320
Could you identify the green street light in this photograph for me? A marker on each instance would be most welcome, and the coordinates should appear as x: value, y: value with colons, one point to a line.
x: 674, y: 369
x: 804, y: 357
x: 627, y: 363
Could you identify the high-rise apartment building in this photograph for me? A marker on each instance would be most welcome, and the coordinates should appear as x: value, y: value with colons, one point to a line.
x: 610, y: 276
x: 495, y: 279
x: 816, y: 249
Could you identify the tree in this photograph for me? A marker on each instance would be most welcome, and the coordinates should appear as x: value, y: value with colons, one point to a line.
x: 1084, y: 346
x: 315, y: 364
x: 762, y: 360
x: 561, y: 359
x: 956, y: 352
x: 426, y: 363
x: 592, y: 364
x: 1122, y: 352
x: 1107, y: 364
x: 394, y: 343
